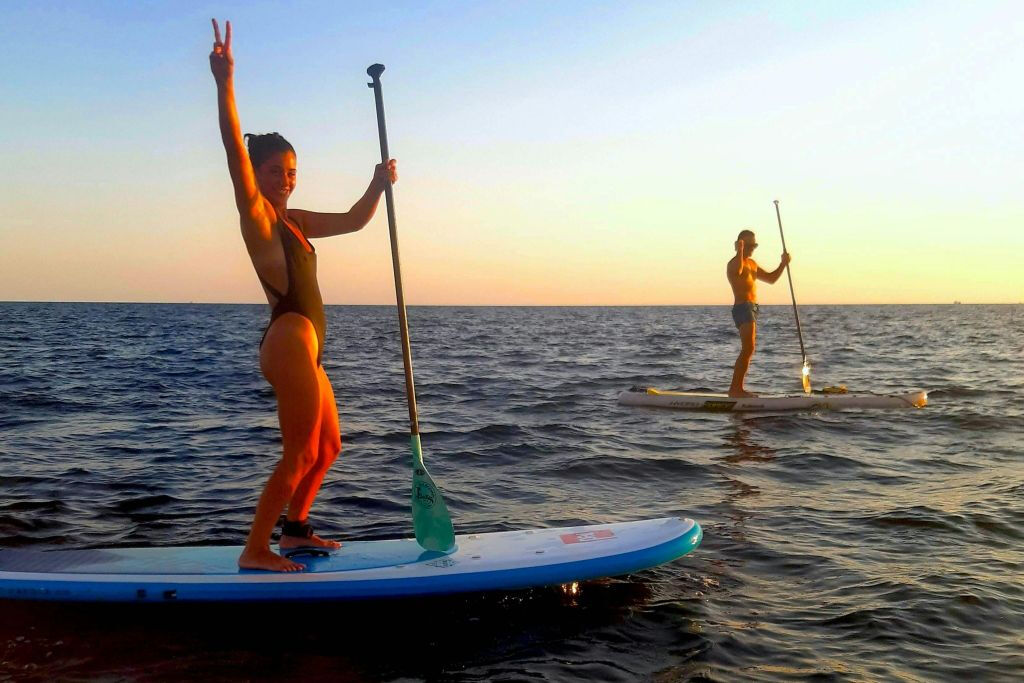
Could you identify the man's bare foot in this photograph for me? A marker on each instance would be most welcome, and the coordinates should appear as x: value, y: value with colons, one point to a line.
x: 267, y: 559
x: 742, y: 393
x: 313, y: 541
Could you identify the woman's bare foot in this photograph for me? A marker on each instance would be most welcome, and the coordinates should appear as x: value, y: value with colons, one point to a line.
x: 313, y: 541
x: 742, y: 393
x: 267, y: 559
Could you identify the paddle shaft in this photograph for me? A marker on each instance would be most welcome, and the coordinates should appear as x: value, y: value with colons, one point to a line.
x: 389, y: 200
x: 789, y: 276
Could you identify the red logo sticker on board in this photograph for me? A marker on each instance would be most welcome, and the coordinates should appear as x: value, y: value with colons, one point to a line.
x: 588, y: 536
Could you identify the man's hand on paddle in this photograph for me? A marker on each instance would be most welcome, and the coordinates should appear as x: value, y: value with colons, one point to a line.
x: 773, y: 276
x: 222, y: 64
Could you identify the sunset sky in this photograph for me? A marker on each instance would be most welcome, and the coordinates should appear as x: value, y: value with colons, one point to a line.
x: 570, y: 153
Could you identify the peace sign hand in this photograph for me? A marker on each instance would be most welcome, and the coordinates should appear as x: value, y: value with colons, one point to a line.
x: 222, y: 64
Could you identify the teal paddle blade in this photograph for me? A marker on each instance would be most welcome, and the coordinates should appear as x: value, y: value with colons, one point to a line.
x: 430, y: 518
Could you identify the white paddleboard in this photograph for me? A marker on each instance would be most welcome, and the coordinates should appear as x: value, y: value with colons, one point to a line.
x: 359, y: 569
x: 681, y: 400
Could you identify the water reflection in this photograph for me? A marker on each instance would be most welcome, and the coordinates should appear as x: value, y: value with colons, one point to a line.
x: 742, y: 448
x: 743, y: 443
x: 336, y: 641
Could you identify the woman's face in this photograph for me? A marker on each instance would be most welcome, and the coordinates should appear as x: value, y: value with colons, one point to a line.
x: 276, y: 177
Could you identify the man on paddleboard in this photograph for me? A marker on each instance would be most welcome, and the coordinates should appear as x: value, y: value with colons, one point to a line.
x: 743, y: 273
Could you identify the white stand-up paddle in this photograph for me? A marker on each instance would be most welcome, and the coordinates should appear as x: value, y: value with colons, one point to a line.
x: 430, y: 518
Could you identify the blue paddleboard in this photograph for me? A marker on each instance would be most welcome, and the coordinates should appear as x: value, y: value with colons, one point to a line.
x: 358, y: 570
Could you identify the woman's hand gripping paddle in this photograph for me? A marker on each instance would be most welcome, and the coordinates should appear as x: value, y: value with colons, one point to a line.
x: 430, y: 518
x: 805, y: 372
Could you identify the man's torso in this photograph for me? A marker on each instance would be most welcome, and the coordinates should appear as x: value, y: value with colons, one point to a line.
x: 744, y: 286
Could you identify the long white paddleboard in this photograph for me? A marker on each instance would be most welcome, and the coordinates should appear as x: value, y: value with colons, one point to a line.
x: 358, y: 570
x: 646, y: 396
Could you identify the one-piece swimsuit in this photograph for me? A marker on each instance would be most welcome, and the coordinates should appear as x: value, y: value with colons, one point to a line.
x: 303, y: 293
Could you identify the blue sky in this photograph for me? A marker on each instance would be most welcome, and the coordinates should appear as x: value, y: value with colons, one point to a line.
x: 578, y: 153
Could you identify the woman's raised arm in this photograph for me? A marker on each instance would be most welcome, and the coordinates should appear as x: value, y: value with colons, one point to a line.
x: 222, y: 64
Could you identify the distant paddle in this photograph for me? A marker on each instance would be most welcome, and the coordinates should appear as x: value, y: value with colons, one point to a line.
x: 805, y: 373
x: 430, y: 518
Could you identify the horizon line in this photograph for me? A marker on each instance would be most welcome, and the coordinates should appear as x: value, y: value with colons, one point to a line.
x: 257, y: 303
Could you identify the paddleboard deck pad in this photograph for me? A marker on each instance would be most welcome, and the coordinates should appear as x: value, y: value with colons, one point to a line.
x: 681, y: 400
x: 503, y: 560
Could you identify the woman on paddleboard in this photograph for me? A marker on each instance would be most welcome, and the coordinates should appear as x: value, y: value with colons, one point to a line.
x: 277, y: 238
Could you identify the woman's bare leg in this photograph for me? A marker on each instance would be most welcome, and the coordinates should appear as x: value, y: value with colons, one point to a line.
x: 329, y: 448
x: 288, y: 361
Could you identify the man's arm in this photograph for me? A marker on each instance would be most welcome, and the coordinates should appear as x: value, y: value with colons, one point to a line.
x: 738, y: 265
x: 772, y: 277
